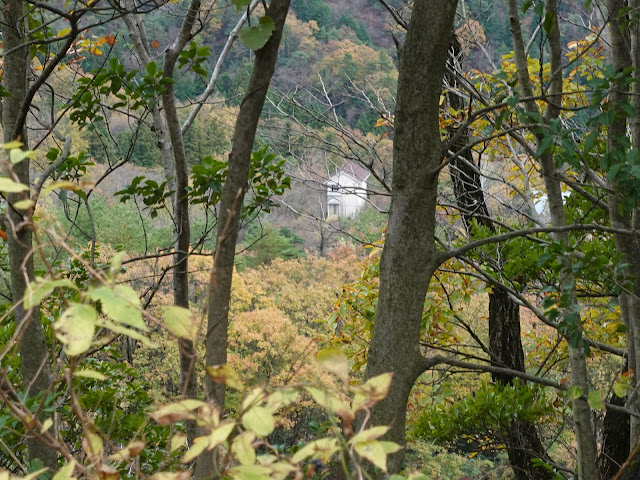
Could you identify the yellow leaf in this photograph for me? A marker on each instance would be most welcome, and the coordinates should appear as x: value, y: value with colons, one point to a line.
x: 178, y: 441
x: 335, y: 361
x: 131, y: 450
x: 90, y: 374
x: 46, y: 425
x: 66, y: 472
x: 23, y: 204
x: 227, y: 375
x: 92, y: 444
x: 181, y: 322
x: 9, y: 186
x: 75, y: 328
x: 176, y: 411
x: 243, y: 449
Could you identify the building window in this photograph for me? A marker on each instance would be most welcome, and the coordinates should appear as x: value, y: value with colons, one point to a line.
x: 334, y: 209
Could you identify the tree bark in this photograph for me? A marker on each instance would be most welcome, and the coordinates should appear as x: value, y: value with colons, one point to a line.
x: 408, y: 258
x: 505, y: 343
x: 615, y: 439
x: 627, y: 245
x: 232, y: 197
x: 34, y: 357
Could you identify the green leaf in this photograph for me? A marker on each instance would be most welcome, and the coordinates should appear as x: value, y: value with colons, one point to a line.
x: 40, y: 288
x: 259, y: 420
x: 549, y: 21
x: 594, y: 399
x: 120, y: 303
x: 181, y: 322
x: 255, y: 37
x: 151, y: 69
x: 574, y: 392
x: 240, y: 4
x: 75, y: 328
x: 621, y: 389
x: 9, y: 186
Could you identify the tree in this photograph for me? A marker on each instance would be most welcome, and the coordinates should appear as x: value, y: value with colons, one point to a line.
x: 409, y: 257
x: 19, y: 97
x: 231, y: 200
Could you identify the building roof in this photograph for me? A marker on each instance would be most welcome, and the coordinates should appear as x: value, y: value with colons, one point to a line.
x: 355, y: 171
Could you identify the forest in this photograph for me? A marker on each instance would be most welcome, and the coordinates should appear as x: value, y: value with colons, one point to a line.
x: 320, y: 239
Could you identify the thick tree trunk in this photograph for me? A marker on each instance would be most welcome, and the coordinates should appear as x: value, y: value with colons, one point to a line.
x: 505, y: 343
x: 408, y: 259
x: 631, y: 468
x: 34, y: 357
x: 615, y: 439
x: 231, y: 200
x: 627, y: 245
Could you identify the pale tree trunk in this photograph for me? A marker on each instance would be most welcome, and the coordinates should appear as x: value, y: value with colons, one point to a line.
x: 584, y: 429
x: 232, y: 197
x: 409, y: 258
x: 36, y: 368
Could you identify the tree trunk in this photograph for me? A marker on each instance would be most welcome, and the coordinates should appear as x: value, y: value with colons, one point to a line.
x: 408, y: 258
x: 627, y: 245
x: 615, y: 439
x: 505, y: 343
x: 231, y: 200
x: 34, y: 357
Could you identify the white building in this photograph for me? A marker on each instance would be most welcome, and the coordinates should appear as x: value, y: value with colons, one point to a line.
x: 347, y: 191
